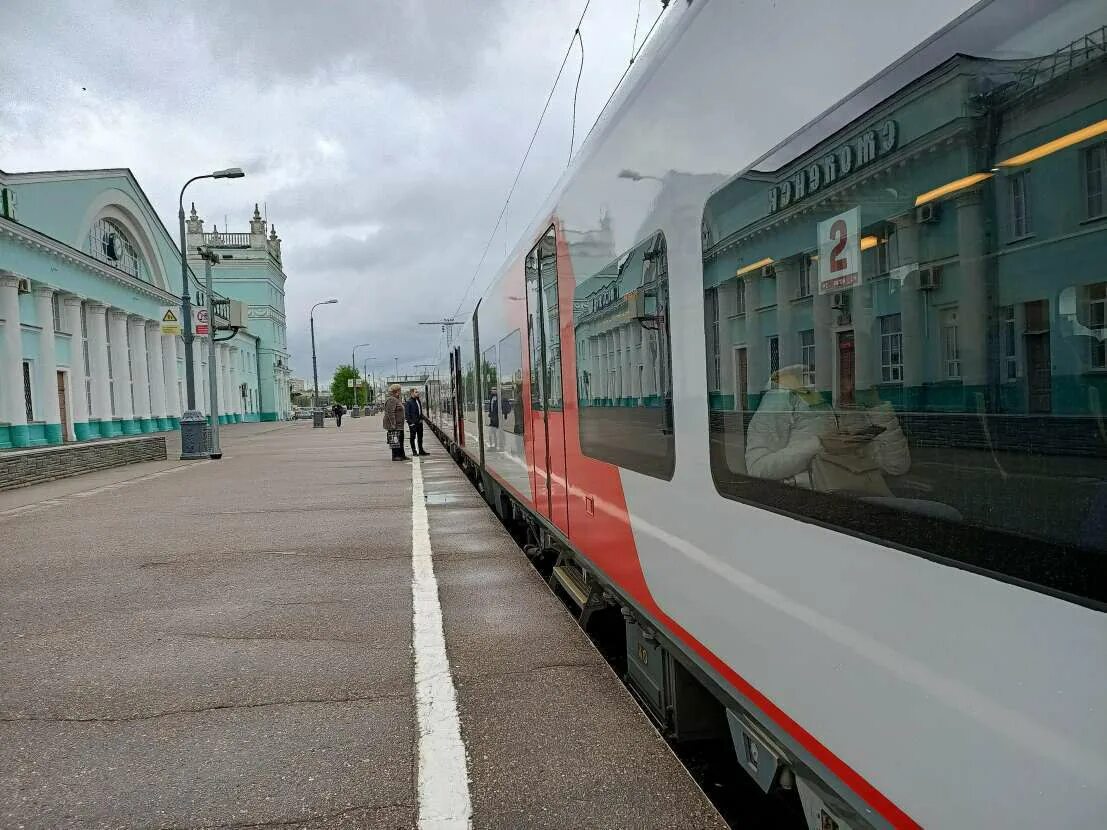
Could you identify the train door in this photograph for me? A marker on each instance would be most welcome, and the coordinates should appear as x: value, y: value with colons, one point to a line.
x: 548, y: 422
x: 459, y: 400
x: 451, y: 407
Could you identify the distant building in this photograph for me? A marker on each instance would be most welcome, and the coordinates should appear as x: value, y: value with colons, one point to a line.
x: 297, y: 385
x: 250, y: 271
x: 87, y: 273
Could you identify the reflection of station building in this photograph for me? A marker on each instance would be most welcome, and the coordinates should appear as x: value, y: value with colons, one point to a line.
x: 982, y: 190
x: 617, y: 356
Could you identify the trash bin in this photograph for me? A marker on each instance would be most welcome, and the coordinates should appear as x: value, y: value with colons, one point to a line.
x: 317, y: 417
x: 355, y: 413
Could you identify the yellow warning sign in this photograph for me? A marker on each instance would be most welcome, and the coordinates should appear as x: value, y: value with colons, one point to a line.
x: 170, y: 322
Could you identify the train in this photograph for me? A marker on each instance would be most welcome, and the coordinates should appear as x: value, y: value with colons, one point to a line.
x: 801, y: 371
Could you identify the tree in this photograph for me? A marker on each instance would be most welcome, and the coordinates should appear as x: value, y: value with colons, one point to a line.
x: 340, y: 391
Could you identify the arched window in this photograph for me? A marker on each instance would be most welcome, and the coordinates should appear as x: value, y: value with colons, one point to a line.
x: 108, y: 242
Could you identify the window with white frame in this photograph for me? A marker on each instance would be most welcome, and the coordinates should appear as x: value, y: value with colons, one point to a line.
x: 28, y: 396
x: 803, y: 276
x: 774, y: 358
x: 56, y: 308
x: 108, y: 242
x: 1010, y: 366
x: 807, y: 356
x: 891, y: 348
x: 1019, y: 188
x: 1095, y: 180
x: 1097, y: 322
x: 740, y: 297
x: 951, y: 349
x: 111, y: 370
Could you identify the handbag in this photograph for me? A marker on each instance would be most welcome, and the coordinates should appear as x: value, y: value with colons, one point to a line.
x: 849, y: 473
x: 395, y: 438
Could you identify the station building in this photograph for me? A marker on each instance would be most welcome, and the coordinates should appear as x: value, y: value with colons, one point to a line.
x: 982, y: 197
x: 87, y: 271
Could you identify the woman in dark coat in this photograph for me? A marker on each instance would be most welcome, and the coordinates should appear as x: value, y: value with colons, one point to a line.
x: 394, y: 422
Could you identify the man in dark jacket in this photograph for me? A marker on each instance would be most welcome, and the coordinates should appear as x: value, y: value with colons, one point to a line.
x: 413, y: 410
x: 338, y: 411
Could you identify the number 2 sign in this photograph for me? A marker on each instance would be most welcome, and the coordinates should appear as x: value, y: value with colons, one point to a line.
x: 840, y: 252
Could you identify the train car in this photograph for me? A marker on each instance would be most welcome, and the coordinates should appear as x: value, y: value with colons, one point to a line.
x: 803, y: 369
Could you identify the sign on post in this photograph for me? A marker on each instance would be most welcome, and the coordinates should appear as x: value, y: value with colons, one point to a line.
x: 840, y: 252
x: 200, y: 325
x: 170, y: 321
x: 349, y: 383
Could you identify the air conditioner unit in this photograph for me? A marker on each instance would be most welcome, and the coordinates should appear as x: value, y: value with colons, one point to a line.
x: 840, y: 300
x: 236, y: 314
x: 24, y: 286
x: 926, y: 214
x: 930, y: 277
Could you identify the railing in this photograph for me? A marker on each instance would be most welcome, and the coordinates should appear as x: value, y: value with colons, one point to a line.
x: 1081, y: 51
x: 227, y: 240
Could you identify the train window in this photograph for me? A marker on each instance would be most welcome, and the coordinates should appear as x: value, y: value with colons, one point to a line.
x: 511, y: 383
x: 621, y: 328
x: 918, y: 361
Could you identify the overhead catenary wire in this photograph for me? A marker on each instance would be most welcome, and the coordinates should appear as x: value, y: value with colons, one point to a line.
x: 576, y: 92
x: 522, y: 164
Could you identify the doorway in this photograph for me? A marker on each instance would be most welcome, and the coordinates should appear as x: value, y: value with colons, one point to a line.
x: 63, y: 407
x: 1038, y: 374
x: 845, y: 368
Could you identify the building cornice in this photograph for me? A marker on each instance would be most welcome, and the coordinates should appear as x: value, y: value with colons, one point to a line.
x: 41, y: 242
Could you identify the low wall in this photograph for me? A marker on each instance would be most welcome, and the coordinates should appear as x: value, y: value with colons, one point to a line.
x: 23, y: 467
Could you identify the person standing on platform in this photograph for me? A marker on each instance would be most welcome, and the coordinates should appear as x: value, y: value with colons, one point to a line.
x: 413, y: 409
x: 394, y: 422
x: 338, y: 411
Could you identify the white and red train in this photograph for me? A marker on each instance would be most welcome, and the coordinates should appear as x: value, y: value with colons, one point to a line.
x: 815, y: 392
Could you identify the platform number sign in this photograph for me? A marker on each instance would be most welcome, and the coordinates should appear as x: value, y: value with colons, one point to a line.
x: 840, y: 252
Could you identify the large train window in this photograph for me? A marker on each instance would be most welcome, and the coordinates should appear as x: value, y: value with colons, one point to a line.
x: 490, y: 388
x: 905, y: 320
x: 621, y: 327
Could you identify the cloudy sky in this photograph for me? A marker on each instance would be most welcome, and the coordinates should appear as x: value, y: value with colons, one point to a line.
x: 380, y: 137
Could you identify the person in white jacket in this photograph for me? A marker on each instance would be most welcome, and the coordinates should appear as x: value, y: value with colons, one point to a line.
x: 794, y: 435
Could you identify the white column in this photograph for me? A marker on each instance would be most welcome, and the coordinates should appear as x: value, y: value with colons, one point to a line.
x: 46, y: 403
x: 120, y: 367
x: 171, y: 374
x: 155, y: 371
x: 78, y: 401
x: 973, y: 308
x: 136, y: 332
x: 786, y: 274
x: 230, y: 375
x: 220, y: 357
x: 757, y: 351
x: 910, y: 310
x: 98, y: 362
x: 11, y: 358
x: 200, y: 373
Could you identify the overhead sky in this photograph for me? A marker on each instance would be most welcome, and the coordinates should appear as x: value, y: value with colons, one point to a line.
x: 380, y: 138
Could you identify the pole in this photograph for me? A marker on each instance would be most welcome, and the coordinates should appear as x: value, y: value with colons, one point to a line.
x: 192, y: 421
x: 216, y: 452
x: 317, y: 417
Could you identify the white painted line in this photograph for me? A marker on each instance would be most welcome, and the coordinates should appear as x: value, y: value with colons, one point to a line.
x: 443, y: 770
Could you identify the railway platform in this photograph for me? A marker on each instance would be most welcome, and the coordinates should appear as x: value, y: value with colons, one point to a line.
x: 304, y: 634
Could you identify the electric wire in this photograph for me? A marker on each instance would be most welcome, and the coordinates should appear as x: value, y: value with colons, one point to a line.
x: 576, y: 92
x: 522, y: 164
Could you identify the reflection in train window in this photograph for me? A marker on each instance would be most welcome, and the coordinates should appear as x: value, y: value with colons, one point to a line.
x: 511, y: 383
x: 621, y: 328
x: 490, y: 386
x: 921, y: 356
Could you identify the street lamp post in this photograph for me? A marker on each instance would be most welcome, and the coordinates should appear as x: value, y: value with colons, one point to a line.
x: 317, y: 417
x: 215, y: 451
x: 192, y: 421
x: 353, y: 365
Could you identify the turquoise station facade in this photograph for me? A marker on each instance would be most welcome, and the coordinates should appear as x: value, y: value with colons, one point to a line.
x: 87, y: 273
